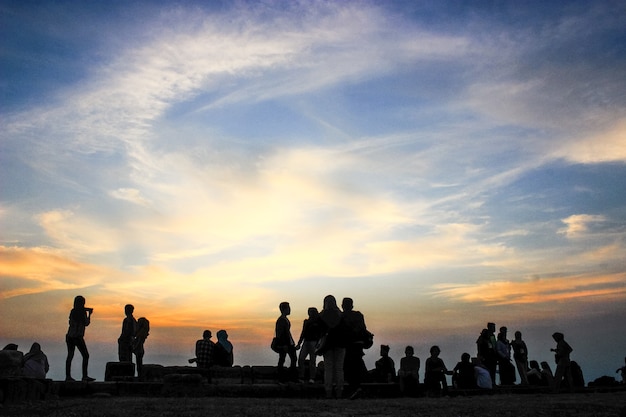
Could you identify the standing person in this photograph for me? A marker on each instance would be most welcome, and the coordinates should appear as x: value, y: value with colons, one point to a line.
x: 80, y: 317
x: 204, y: 351
x: 142, y: 332
x: 503, y: 348
x: 333, y: 347
x: 35, y: 363
x: 435, y: 373
x: 562, y: 359
x: 124, y: 342
x: 286, y: 342
x: 520, y: 355
x: 486, y: 346
x: 310, y: 335
x: 354, y: 366
x: 223, y: 350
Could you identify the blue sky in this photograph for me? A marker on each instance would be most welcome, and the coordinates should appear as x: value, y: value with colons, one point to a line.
x: 444, y: 163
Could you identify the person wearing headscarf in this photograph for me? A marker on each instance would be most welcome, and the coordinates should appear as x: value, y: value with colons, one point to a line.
x: 35, y: 363
x: 141, y: 334
x: 332, y: 347
x: 223, y: 351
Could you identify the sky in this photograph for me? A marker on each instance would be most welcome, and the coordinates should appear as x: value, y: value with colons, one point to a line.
x: 444, y: 163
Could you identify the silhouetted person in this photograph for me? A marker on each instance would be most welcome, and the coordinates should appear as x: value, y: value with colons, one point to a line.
x: 124, y: 342
x: 546, y: 371
x: 482, y: 375
x: 622, y: 371
x: 285, y: 340
x: 435, y: 373
x: 562, y: 359
x: 204, y: 351
x: 520, y: 355
x: 463, y: 377
x: 408, y: 374
x: 35, y: 363
x: 503, y: 348
x: 333, y: 347
x: 385, y: 368
x: 310, y: 335
x: 486, y: 345
x: 223, y: 350
x: 141, y: 333
x: 578, y: 379
x: 353, y: 367
x: 80, y: 317
x: 535, y: 376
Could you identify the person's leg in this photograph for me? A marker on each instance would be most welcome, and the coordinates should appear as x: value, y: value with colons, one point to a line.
x: 82, y: 348
x: 312, y: 360
x: 71, y: 347
x: 329, y: 372
x: 339, y: 378
x: 302, y: 360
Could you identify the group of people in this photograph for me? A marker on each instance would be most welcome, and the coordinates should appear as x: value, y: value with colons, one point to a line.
x: 339, y: 335
x: 131, y: 340
x: 209, y: 353
x: 33, y: 364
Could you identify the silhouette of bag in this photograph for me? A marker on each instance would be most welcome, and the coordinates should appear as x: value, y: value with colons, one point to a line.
x: 322, y: 345
x: 276, y: 348
x: 367, y: 339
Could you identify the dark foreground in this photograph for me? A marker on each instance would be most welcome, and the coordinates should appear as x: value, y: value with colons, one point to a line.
x: 517, y: 405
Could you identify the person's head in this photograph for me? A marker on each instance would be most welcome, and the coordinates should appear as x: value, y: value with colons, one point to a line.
x: 465, y: 357
x: 502, y: 336
x: 207, y: 334
x: 484, y: 333
x: 79, y: 301
x: 545, y: 365
x: 558, y: 336
x: 347, y: 304
x: 330, y: 303
x: 313, y: 312
x: 534, y: 365
x: 435, y: 351
x: 491, y: 327
x: 384, y: 350
x: 285, y: 308
x: 503, y: 330
x: 222, y: 335
x: 10, y: 346
x: 35, y: 347
x: 128, y: 309
x: 409, y: 351
x: 518, y: 335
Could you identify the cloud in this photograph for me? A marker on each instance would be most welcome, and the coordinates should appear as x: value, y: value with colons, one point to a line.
x: 607, y: 145
x: 577, y: 225
x: 594, y: 288
x: 38, y: 270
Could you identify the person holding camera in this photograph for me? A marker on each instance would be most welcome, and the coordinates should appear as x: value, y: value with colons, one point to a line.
x: 80, y: 317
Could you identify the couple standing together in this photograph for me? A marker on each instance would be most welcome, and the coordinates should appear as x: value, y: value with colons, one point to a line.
x: 340, y: 338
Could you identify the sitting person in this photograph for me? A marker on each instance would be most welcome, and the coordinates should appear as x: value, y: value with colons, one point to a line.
x: 408, y: 374
x: 535, y: 376
x: 435, y: 375
x: 482, y: 375
x: 385, y: 367
x: 463, y: 377
x: 223, y: 350
x: 35, y: 363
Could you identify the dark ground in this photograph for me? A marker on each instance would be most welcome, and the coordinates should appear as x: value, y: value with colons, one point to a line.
x: 502, y: 405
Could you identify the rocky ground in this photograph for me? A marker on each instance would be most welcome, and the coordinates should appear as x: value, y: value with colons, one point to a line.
x: 517, y: 405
